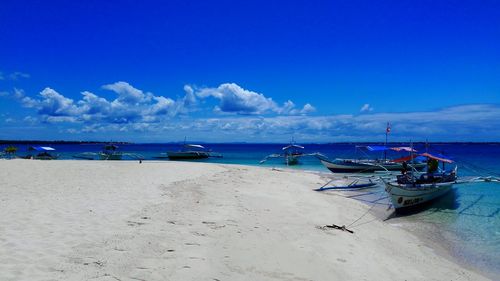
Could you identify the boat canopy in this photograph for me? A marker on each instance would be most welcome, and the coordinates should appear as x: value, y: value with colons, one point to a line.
x: 409, y: 158
x: 194, y: 146
x: 417, y: 156
x: 403, y: 148
x: 384, y: 148
x: 42, y: 148
x: 293, y: 146
x: 437, y: 158
x: 374, y: 147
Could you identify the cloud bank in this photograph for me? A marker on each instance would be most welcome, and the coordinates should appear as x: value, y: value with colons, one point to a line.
x: 133, y: 105
x: 242, y: 115
x: 130, y: 106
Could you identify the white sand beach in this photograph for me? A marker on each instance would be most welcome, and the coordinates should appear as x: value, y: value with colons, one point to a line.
x: 99, y: 220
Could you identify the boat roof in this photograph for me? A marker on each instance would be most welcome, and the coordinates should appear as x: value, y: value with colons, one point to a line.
x: 438, y: 158
x: 292, y: 146
x: 194, y: 146
x: 384, y: 148
x: 42, y: 148
x: 408, y: 158
x: 403, y: 148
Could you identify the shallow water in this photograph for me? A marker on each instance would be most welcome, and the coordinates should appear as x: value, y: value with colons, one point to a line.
x: 468, y: 218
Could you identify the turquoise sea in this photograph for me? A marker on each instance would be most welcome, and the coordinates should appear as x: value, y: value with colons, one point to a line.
x: 467, y: 220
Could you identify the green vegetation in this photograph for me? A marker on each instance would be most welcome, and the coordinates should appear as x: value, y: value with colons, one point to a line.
x: 10, y: 150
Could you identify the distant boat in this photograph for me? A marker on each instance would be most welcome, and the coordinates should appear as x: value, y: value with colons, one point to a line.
x: 412, y: 189
x: 290, y: 154
x: 108, y: 152
x: 191, y: 152
x: 44, y: 153
x: 341, y: 165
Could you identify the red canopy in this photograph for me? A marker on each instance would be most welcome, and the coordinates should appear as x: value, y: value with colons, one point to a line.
x: 404, y: 159
x: 436, y: 158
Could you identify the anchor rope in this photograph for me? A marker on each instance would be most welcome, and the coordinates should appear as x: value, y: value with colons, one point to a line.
x: 369, y: 209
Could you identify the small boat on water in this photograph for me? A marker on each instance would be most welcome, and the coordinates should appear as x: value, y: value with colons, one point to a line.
x: 412, y: 188
x: 290, y: 153
x: 367, y: 165
x: 42, y: 153
x: 342, y: 165
x: 108, y: 152
x: 191, y: 152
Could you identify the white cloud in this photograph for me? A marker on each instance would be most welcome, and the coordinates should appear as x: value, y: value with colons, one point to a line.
x: 13, y: 76
x: 366, y: 108
x: 127, y: 93
x: 133, y: 110
x: 55, y: 104
x: 471, y: 122
x: 308, y: 108
x: 30, y: 119
x: 16, y: 75
x: 234, y: 99
x: 162, y: 106
x: 459, y: 123
x: 131, y: 106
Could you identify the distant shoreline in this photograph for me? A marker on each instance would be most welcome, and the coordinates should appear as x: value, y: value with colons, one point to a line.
x: 251, y: 143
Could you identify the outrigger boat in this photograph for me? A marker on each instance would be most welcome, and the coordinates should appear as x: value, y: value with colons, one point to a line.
x: 191, y: 152
x: 290, y: 153
x: 371, y: 165
x: 340, y: 165
x: 108, y: 152
x: 412, y: 188
x: 44, y: 153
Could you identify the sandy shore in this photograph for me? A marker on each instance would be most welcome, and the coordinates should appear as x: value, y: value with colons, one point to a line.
x: 98, y: 220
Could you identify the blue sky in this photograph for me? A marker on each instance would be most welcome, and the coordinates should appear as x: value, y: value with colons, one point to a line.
x: 320, y: 71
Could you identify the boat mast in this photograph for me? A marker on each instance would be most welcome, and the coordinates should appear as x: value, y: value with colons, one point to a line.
x: 387, y: 130
x: 412, y: 161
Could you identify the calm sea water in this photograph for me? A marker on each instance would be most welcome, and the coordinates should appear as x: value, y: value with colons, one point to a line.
x: 468, y: 218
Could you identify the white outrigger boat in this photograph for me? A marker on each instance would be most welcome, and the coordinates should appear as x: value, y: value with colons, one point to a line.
x: 190, y: 152
x: 340, y: 165
x: 108, y: 152
x: 290, y: 153
x: 44, y: 153
x: 413, y: 189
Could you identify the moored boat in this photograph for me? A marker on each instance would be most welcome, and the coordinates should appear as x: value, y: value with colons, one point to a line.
x: 414, y: 189
x: 110, y: 152
x: 290, y: 153
x: 189, y: 152
x: 44, y: 153
x: 342, y: 165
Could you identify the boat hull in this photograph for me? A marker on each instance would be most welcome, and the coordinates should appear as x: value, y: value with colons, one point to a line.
x: 188, y: 155
x: 292, y: 160
x: 348, y: 166
x: 114, y: 156
x: 406, y: 196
